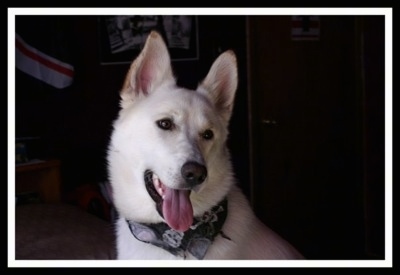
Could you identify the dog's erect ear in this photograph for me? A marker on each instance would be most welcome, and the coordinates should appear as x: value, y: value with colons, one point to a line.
x: 151, y: 68
x: 221, y: 83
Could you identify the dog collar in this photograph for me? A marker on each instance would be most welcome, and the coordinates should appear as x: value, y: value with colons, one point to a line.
x: 195, y: 240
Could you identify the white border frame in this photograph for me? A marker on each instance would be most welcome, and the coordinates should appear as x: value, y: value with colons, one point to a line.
x: 387, y: 12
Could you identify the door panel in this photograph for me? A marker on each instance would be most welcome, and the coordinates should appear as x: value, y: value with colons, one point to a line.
x: 307, y: 135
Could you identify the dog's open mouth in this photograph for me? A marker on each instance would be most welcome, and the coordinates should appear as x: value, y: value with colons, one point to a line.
x: 172, y: 204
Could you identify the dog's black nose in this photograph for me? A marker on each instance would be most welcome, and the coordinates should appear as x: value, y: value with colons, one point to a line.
x: 194, y: 173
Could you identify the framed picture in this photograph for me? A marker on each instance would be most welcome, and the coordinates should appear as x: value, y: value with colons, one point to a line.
x: 122, y: 37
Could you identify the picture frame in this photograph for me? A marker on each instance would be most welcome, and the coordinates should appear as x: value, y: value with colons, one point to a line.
x: 122, y: 37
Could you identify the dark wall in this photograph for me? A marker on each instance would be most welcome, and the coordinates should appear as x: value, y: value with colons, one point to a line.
x: 74, y: 124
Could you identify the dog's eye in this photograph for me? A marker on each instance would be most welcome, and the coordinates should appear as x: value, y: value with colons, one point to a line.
x: 165, y: 124
x: 208, y: 134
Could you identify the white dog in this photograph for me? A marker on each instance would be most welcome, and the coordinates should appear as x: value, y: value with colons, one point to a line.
x: 170, y: 170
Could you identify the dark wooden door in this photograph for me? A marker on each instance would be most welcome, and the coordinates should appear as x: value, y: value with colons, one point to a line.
x: 307, y: 131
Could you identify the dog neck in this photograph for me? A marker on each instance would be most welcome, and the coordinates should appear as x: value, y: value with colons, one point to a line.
x: 195, y: 240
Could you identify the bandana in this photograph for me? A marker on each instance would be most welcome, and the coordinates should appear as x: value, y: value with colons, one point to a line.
x: 195, y: 240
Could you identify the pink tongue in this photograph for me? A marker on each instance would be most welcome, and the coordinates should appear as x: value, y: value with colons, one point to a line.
x: 177, y: 209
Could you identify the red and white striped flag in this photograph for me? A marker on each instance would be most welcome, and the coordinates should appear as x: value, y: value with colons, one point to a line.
x: 39, y: 64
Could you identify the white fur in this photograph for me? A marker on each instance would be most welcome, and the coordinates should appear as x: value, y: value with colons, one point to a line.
x: 149, y: 94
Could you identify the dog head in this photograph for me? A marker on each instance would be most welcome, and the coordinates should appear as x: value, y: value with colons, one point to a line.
x: 167, y: 156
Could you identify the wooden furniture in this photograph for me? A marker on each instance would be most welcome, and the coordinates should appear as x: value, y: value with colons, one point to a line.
x: 41, y: 177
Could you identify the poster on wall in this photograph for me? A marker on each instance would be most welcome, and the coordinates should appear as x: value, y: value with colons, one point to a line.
x: 305, y: 28
x: 122, y: 37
